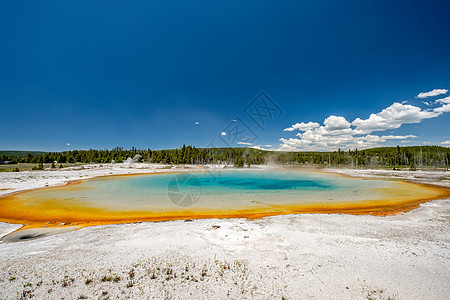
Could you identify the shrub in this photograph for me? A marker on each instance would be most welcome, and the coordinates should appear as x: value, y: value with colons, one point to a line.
x: 39, y: 167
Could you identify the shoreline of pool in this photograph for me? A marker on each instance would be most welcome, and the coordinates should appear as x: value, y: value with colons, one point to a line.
x: 369, y: 207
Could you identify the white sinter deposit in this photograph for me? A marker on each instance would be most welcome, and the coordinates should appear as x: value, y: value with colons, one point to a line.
x: 296, y: 256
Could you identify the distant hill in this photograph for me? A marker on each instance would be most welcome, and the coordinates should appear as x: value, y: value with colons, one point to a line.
x: 13, y: 153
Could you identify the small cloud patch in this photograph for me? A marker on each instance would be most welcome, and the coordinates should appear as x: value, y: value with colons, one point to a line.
x: 433, y: 93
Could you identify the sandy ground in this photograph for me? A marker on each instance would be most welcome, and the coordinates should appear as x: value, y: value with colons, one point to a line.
x: 296, y: 257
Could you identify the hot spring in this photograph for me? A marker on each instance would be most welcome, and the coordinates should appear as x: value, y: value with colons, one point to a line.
x: 225, y: 194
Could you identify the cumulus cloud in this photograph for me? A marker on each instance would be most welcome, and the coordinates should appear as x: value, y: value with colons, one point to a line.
x: 262, y: 147
x: 433, y: 93
x: 393, y: 117
x: 316, y: 142
x: 444, y: 100
x: 446, y: 143
x: 398, y: 137
x: 223, y: 133
x: 302, y: 126
x: 442, y: 109
x: 338, y: 132
x: 244, y: 143
x: 196, y: 123
x: 335, y: 123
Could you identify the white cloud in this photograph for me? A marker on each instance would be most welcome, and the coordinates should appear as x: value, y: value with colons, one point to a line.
x: 336, y: 132
x: 333, y: 123
x: 435, y: 92
x: 393, y: 117
x: 317, y: 142
x: 262, y: 147
x: 223, y: 133
x: 196, y: 123
x: 302, y: 126
x: 445, y: 100
x: 244, y: 143
x: 442, y: 109
x: 68, y: 144
x: 446, y: 143
x: 398, y: 137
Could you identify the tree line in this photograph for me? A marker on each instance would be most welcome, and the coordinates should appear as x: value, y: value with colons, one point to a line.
x: 412, y: 157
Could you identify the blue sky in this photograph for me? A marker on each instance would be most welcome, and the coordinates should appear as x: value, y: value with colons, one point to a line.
x: 100, y: 74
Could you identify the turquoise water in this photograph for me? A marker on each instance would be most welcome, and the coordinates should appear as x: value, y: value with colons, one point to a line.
x: 227, y: 189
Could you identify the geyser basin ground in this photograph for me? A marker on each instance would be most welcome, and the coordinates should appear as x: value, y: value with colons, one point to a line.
x: 226, y: 194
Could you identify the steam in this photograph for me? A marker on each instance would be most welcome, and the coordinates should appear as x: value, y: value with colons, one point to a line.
x: 130, y: 160
x: 271, y: 160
